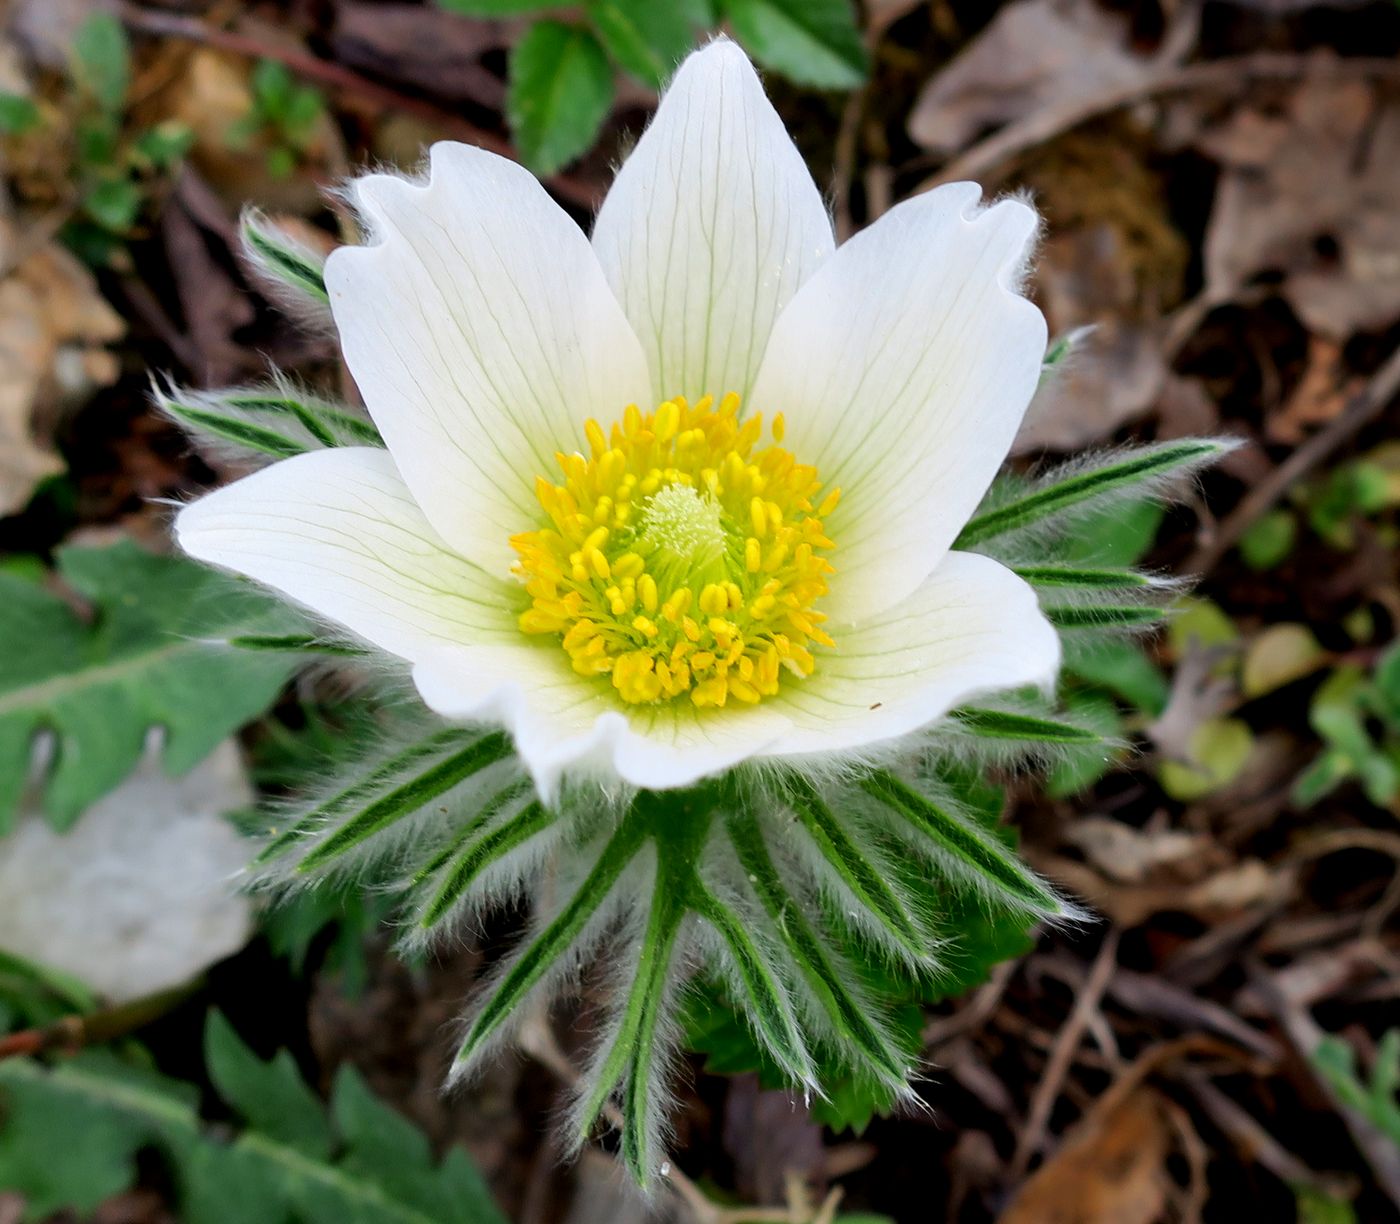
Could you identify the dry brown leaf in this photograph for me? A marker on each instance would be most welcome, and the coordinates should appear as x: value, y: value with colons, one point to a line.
x: 1110, y: 1170
x: 1034, y: 54
x: 1324, y: 390
x: 54, y: 326
x: 1117, y: 371
x: 1311, y: 193
x: 1129, y: 855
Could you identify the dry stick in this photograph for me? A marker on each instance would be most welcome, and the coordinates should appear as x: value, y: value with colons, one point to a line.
x: 342, y: 80
x: 1048, y: 1090
x: 1041, y: 126
x: 1361, y: 409
x: 72, y: 1033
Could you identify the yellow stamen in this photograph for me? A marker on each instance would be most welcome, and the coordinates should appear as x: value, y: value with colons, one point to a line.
x: 682, y: 556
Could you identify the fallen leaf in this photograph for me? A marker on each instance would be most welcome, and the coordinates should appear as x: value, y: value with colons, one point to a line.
x: 1110, y: 1170
x: 1129, y: 855
x: 1320, y: 396
x: 139, y: 896
x: 54, y: 328
x: 1034, y: 55
x: 1217, y: 752
x: 1281, y: 654
x: 1116, y: 372
x: 1310, y: 194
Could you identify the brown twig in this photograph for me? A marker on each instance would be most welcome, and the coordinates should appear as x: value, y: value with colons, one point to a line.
x: 1361, y: 409
x: 71, y: 1033
x: 341, y: 80
x: 984, y: 159
x: 1062, y: 1055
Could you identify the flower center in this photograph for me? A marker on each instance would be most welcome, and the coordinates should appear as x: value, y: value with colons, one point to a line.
x: 682, y: 556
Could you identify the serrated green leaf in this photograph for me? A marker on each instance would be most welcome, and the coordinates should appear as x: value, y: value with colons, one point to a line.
x: 815, y: 42
x: 155, y: 654
x: 70, y: 1135
x: 272, y: 1096
x: 646, y: 38
x: 561, y: 89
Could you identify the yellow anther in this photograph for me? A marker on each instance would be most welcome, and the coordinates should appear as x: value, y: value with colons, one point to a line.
x: 779, y: 427
x: 753, y: 556
x: 829, y: 503
x: 597, y: 442
x: 646, y: 591
x: 758, y: 516
x: 644, y: 626
x: 668, y: 419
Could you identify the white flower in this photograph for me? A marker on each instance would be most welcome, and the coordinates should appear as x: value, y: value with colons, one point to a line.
x: 680, y: 497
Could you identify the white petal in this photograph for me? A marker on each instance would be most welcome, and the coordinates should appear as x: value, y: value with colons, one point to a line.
x: 482, y: 334
x: 711, y: 226
x: 971, y: 629
x: 338, y: 531
x: 563, y: 723
x: 904, y: 367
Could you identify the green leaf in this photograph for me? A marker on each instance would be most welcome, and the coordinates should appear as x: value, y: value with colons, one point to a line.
x: 536, y: 959
x: 1218, y: 751
x: 648, y: 39
x: 1269, y: 540
x: 292, y: 263
x: 1104, y: 616
x: 154, y: 654
x: 1122, y: 668
x: 18, y: 114
x: 1084, y: 487
x: 1117, y: 535
x: 102, y: 61
x: 409, y: 796
x: 979, y: 858
x: 165, y: 144
x: 999, y: 724
x: 247, y: 434
x: 1316, y: 1206
x: 272, y: 1096
x: 1083, y: 578
x: 70, y: 1137
x: 1080, y: 767
x: 114, y: 204
x: 815, y: 42
x: 561, y: 90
